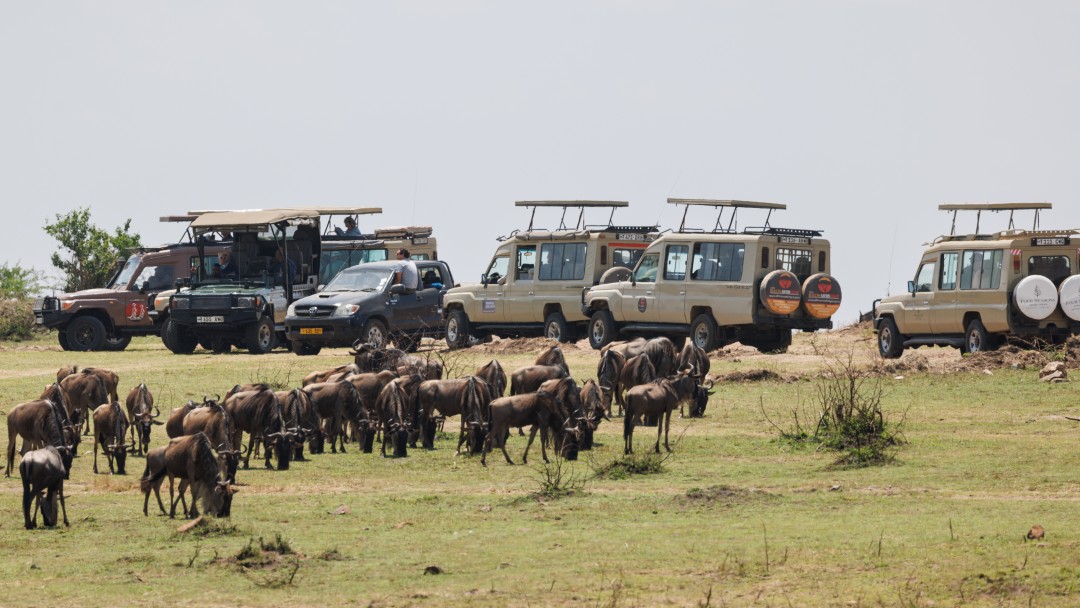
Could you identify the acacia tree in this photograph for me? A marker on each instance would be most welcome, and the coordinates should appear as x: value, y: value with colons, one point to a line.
x: 91, y: 251
x: 17, y: 282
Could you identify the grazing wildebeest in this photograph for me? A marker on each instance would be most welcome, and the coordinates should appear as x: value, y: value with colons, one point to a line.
x: 369, y: 385
x: 398, y: 407
x: 661, y: 351
x: 212, y: 420
x: 110, y: 432
x: 695, y: 357
x: 330, y: 375
x: 84, y: 391
x: 72, y: 428
x: 628, y: 349
x: 155, y: 461
x: 535, y: 409
x: 659, y: 399
x: 370, y: 359
x: 337, y: 402
x: 143, y: 415
x: 529, y: 378
x: 300, y: 414
x: 552, y: 355
x: 174, y: 425
x: 637, y: 371
x: 192, y: 459
x: 109, y: 377
x: 45, y: 470
x: 607, y: 376
x: 258, y: 413
x: 492, y: 373
x: 592, y: 405
x: 40, y: 423
x: 447, y: 396
x: 566, y: 431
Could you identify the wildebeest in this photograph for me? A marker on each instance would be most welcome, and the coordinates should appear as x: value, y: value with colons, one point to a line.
x: 110, y: 432
x: 398, y: 410
x: 529, y: 378
x: 661, y: 351
x: 607, y: 376
x: 628, y: 349
x: 40, y: 423
x: 693, y: 357
x: 84, y: 391
x: 192, y: 459
x: 330, y: 375
x: 143, y: 415
x: 638, y: 370
x: 594, y: 410
x: 552, y: 355
x: 659, y: 399
x: 45, y: 470
x: 567, y: 429
x: 258, y: 413
x: 335, y: 403
x: 300, y: 414
x: 174, y: 424
x: 369, y: 385
x: 155, y: 461
x: 450, y: 399
x: 492, y: 373
x: 370, y: 359
x: 109, y: 377
x: 212, y: 420
x: 535, y: 409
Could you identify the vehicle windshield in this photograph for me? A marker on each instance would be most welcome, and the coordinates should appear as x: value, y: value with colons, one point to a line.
x: 364, y: 279
x: 128, y: 271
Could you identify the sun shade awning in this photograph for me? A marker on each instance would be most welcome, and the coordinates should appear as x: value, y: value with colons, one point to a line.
x: 994, y: 206
x: 704, y: 202
x: 572, y: 204
x: 230, y: 220
x: 326, y: 210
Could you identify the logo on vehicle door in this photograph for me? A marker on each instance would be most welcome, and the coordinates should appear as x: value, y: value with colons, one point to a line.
x: 135, y: 311
x: 488, y: 306
x: 642, y: 305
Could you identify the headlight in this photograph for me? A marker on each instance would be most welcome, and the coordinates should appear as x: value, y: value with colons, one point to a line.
x: 291, y: 310
x: 247, y: 301
x: 345, y: 310
x: 66, y: 304
x: 181, y: 304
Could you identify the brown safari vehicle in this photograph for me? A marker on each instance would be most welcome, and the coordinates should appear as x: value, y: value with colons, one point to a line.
x: 532, y: 285
x: 973, y: 291
x: 720, y: 285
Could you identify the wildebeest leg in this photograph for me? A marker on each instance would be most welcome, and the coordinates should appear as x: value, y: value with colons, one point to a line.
x: 628, y: 432
x: 174, y: 501
x: 502, y: 444
x: 63, y: 505
x: 48, y: 511
x: 181, y: 500
x: 247, y: 454
x: 28, y: 497
x: 659, y: 430
x: 10, y: 451
x: 667, y: 429
x: 461, y: 436
x: 96, y: 439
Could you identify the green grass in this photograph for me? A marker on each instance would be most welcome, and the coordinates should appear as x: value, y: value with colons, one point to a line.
x: 737, y: 516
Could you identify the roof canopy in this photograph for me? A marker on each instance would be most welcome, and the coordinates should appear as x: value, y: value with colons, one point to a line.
x: 718, y: 203
x: 993, y: 206
x: 325, y: 210
x: 228, y: 220
x: 572, y: 204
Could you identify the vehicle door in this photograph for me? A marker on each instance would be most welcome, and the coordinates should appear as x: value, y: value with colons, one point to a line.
x: 420, y: 310
x: 490, y: 297
x: 944, y: 318
x: 671, y: 285
x: 639, y: 296
x: 520, y: 285
x: 560, y: 277
x: 147, y: 283
x: 916, y: 318
x: 720, y: 281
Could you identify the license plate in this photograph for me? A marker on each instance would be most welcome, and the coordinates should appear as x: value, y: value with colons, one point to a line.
x: 211, y: 319
x: 311, y: 331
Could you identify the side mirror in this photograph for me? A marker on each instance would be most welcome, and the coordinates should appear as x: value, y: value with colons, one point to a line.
x: 911, y: 287
x: 483, y: 279
x: 397, y: 289
x: 182, y: 282
x: 144, y: 287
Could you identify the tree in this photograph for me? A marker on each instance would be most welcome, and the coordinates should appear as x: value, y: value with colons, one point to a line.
x: 17, y: 282
x: 93, y: 252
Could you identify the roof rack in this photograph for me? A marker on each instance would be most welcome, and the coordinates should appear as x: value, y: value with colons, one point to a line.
x: 733, y: 204
x: 978, y: 208
x: 582, y: 205
x: 782, y: 231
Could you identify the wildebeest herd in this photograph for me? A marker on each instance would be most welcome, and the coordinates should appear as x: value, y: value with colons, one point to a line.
x: 384, y: 393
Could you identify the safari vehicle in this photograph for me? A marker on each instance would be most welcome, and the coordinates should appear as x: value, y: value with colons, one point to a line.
x: 246, y: 308
x: 721, y: 285
x: 532, y: 285
x: 107, y: 318
x: 363, y: 303
x: 973, y: 291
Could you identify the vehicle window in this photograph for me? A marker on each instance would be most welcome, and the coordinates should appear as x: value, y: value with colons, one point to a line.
x: 157, y: 277
x: 208, y: 263
x: 367, y: 279
x: 130, y: 266
x: 431, y: 277
x: 646, y: 268
x: 526, y: 263
x: 948, y: 271
x: 335, y: 261
x: 795, y: 261
x: 675, y: 263
x: 562, y: 261
x: 980, y: 270
x: 625, y: 257
x: 718, y: 261
x: 498, y: 268
x: 1054, y: 267
x: 924, y: 280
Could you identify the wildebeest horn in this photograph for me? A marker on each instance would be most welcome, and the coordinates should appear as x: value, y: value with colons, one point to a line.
x: 708, y: 382
x: 156, y: 410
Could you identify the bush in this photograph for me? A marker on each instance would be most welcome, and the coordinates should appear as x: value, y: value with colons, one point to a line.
x: 852, y: 420
x: 16, y: 319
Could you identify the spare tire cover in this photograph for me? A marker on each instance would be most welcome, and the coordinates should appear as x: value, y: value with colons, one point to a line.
x: 1069, y: 297
x: 1036, y: 297
x: 780, y: 292
x: 821, y: 296
x: 615, y: 274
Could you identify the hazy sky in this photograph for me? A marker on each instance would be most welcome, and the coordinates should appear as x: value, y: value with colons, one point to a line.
x: 861, y: 116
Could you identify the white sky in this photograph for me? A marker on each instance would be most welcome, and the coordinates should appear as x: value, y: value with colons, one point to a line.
x: 861, y: 116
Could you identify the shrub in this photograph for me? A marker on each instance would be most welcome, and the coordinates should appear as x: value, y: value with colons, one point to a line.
x: 16, y: 319
x: 852, y: 420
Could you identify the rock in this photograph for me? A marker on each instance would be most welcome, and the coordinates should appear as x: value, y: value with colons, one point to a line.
x: 1053, y: 377
x: 1054, y: 369
x: 433, y: 570
x: 987, y: 372
x: 198, y: 521
x: 1036, y: 532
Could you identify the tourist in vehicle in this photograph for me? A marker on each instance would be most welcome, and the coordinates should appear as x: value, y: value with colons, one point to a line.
x: 279, y: 265
x: 406, y: 273
x: 228, y: 266
x: 350, y: 228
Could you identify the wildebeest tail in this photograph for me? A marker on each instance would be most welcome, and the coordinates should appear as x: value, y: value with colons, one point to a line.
x: 148, y: 478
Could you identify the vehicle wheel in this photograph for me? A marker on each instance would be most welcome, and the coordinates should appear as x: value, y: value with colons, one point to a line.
x: 976, y: 340
x: 457, y: 329
x: 220, y: 345
x: 303, y: 348
x: 555, y: 328
x: 177, y: 338
x: 375, y: 333
x: 61, y: 337
x: 704, y: 332
x: 86, y: 333
x: 778, y: 344
x: 890, y: 343
x: 259, y: 336
x: 117, y: 343
x: 601, y: 329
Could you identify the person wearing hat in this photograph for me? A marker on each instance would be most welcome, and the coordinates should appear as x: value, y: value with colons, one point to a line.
x: 350, y: 228
x: 406, y: 273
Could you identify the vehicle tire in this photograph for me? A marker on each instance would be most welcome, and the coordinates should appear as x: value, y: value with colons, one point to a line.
x: 61, y: 337
x: 375, y: 333
x: 976, y: 340
x: 889, y: 341
x: 86, y: 333
x: 259, y: 336
x: 303, y: 349
x: 601, y: 329
x: 555, y: 328
x: 457, y: 329
x: 704, y: 333
x: 177, y: 338
x: 117, y: 343
x: 776, y: 345
x: 220, y: 345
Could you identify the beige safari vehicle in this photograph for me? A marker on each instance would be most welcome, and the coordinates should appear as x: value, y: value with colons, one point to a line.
x: 533, y: 284
x: 721, y: 285
x: 972, y: 291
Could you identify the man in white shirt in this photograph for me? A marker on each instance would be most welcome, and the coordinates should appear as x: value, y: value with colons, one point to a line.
x: 406, y: 273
